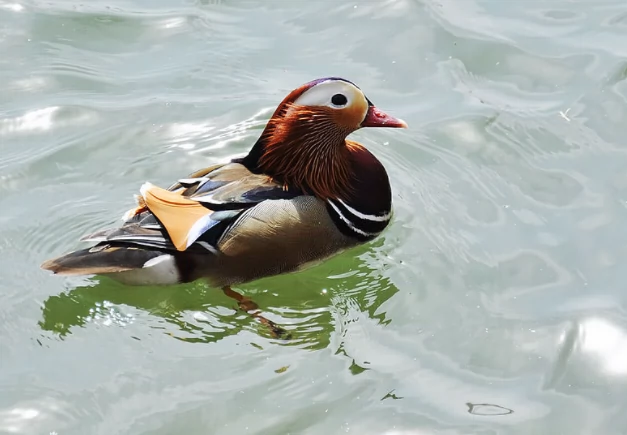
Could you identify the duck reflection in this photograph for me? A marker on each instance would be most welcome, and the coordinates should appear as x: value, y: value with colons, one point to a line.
x: 305, y: 306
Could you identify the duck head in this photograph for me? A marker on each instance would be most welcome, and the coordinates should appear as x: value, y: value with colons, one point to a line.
x: 304, y: 144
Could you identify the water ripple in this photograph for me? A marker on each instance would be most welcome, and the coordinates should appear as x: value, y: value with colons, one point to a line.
x: 497, y: 287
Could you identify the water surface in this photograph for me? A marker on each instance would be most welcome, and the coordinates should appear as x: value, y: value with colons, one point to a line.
x: 494, y: 304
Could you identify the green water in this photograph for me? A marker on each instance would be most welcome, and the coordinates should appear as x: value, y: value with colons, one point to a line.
x: 494, y: 304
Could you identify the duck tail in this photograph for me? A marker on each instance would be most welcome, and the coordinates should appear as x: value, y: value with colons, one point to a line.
x: 132, y: 265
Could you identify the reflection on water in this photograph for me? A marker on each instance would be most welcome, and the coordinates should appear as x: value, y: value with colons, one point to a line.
x: 196, y: 313
x: 606, y: 343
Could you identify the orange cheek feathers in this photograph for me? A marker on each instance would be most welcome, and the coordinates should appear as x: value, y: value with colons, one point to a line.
x: 350, y: 118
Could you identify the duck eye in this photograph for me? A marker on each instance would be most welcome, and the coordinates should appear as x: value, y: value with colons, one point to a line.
x: 339, y: 100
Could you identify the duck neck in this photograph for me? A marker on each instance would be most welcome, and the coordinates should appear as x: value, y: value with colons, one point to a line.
x: 315, y: 162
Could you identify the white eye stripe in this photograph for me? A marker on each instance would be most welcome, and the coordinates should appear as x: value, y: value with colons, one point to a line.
x: 319, y: 96
x: 322, y: 94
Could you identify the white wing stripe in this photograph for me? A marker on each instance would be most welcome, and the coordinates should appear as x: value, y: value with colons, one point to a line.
x: 191, y: 181
x: 199, y: 227
x: 151, y: 226
x: 94, y: 239
x: 208, y: 198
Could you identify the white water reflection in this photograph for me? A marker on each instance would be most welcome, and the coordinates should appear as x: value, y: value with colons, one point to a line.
x: 35, y: 120
x: 44, y: 120
x: 30, y: 84
x: 607, y: 343
x: 171, y: 23
x: 182, y: 135
x: 188, y: 135
x: 15, y: 7
x: 32, y: 417
x: 13, y: 420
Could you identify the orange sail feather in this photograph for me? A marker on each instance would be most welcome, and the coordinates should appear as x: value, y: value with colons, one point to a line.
x: 178, y: 215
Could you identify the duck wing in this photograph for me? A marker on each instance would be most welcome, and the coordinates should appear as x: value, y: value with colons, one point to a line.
x: 194, y: 212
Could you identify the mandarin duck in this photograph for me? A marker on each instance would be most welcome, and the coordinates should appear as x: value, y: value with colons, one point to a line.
x: 301, y: 195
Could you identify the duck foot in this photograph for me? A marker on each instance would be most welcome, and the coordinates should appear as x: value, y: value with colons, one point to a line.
x: 250, y: 307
